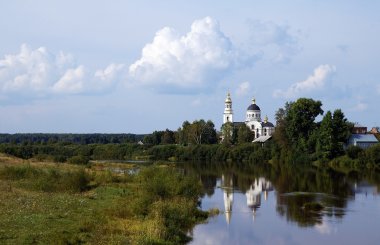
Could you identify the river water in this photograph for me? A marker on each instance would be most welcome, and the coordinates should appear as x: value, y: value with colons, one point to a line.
x: 262, y: 205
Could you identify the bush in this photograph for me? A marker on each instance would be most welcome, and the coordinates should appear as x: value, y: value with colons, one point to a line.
x: 353, y: 151
x: 79, y: 160
x: 168, y: 200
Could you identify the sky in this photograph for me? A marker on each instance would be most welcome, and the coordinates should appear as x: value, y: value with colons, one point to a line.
x: 96, y: 66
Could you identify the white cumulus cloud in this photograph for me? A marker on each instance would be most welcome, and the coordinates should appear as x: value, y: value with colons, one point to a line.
x: 190, y: 62
x: 243, y: 88
x: 314, y: 82
x: 71, y: 82
x: 38, y: 73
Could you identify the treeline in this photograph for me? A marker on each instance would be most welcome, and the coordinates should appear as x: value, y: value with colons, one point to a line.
x: 83, y: 139
x: 82, y: 154
x: 73, y: 153
x: 201, y: 132
x: 249, y: 153
x: 198, y: 132
x: 300, y: 139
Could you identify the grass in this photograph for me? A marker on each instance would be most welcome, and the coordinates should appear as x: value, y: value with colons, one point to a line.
x: 28, y: 217
x: 48, y: 203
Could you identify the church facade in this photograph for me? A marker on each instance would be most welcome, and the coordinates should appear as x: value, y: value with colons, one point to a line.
x: 261, y: 129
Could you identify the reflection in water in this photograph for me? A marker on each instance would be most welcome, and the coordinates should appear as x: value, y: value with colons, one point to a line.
x: 253, y: 194
x: 342, y: 205
x: 295, y: 188
x: 228, y: 195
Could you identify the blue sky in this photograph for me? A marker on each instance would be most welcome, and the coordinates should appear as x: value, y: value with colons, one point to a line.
x: 139, y: 66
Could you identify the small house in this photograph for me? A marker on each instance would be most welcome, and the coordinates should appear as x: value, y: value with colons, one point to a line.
x: 363, y: 141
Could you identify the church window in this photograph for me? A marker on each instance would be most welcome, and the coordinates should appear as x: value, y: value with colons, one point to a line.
x: 252, y: 126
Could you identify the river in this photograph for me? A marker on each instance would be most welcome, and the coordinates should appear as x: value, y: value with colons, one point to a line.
x: 263, y: 205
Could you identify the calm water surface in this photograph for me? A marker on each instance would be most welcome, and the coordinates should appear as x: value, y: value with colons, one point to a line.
x: 261, y: 205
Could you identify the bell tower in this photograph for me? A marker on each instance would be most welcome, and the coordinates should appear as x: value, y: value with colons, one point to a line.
x: 228, y: 113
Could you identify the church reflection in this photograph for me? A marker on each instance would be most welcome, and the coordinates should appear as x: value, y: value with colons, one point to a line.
x: 257, y: 188
x: 228, y: 195
x: 254, y: 193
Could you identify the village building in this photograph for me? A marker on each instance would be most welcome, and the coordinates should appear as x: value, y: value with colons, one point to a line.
x: 359, y: 129
x: 262, y: 130
x: 363, y: 141
x: 374, y: 130
x: 361, y: 138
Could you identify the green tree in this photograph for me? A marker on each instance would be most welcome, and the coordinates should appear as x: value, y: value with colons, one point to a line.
x: 149, y: 139
x: 209, y: 133
x: 200, y: 132
x: 333, y: 134
x: 227, y: 133
x: 168, y: 137
x: 280, y: 133
x: 326, y: 139
x: 183, y: 133
x: 244, y: 134
x: 300, y: 119
x: 342, y: 131
x: 196, y: 131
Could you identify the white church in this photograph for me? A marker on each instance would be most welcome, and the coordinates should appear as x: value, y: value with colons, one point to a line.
x: 262, y: 130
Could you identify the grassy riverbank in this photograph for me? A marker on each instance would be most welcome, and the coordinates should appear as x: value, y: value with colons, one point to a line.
x: 68, y: 204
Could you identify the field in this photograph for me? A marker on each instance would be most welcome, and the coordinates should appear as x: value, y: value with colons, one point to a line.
x: 102, y: 203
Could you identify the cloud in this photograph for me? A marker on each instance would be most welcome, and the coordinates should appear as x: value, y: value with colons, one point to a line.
x: 314, y: 82
x: 243, y: 88
x: 360, y: 107
x: 274, y: 41
x: 71, y: 82
x: 39, y: 73
x: 186, y: 63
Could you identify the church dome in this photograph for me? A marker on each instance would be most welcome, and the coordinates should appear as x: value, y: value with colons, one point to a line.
x: 267, y: 125
x: 253, y: 106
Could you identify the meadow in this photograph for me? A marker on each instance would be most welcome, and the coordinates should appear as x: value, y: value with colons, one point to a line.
x: 61, y: 203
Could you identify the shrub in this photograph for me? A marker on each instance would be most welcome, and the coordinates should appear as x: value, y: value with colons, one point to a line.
x: 353, y: 151
x: 79, y: 160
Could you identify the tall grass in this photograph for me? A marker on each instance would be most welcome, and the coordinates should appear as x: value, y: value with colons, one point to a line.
x: 168, y: 200
x: 47, y: 180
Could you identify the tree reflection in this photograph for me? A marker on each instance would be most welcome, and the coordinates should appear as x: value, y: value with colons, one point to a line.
x: 296, y: 187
